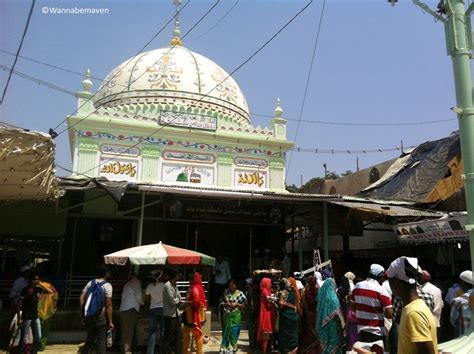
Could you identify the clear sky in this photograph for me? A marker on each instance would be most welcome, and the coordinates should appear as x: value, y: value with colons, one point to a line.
x: 374, y: 64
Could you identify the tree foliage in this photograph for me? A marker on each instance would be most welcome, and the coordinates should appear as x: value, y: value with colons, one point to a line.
x: 314, y: 185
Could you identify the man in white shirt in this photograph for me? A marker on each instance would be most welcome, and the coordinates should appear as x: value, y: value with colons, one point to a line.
x: 221, y: 277
x: 132, y: 299
x: 154, y: 297
x: 428, y: 287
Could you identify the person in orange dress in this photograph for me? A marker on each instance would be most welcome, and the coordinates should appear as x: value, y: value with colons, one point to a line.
x: 195, y: 314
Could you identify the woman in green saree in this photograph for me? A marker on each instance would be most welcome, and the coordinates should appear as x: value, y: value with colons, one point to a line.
x: 233, y: 303
x: 288, y: 318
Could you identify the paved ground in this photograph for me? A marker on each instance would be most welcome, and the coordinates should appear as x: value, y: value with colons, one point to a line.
x: 212, y: 347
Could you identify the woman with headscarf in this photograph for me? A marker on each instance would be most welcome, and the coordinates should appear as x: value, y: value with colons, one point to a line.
x: 233, y: 303
x: 194, y: 314
x: 294, y: 286
x: 351, y: 318
x: 329, y: 319
x: 309, y: 343
x: 288, y: 318
x: 266, y: 317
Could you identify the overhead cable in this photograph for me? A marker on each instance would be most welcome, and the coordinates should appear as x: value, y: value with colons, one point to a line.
x: 308, y: 78
x: 233, y: 72
x: 116, y: 73
x: 144, y: 72
x: 309, y: 121
x: 18, y: 51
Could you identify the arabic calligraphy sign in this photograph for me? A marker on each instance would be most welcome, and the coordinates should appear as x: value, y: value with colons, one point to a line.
x: 119, y: 150
x: 246, y: 178
x: 188, y: 120
x: 119, y: 169
x: 250, y: 162
x: 188, y: 157
x: 229, y: 212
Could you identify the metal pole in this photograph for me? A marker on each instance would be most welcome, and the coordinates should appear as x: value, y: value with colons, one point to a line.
x: 196, y: 234
x: 326, y: 232
x: 140, y: 227
x: 457, y: 27
x: 60, y: 255
x: 250, y: 251
x: 459, y: 46
x: 300, y: 249
x: 73, y: 251
x: 140, y: 221
x: 187, y: 236
x: 292, y: 241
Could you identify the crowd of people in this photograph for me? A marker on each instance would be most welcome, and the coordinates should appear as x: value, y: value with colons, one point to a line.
x: 397, y: 310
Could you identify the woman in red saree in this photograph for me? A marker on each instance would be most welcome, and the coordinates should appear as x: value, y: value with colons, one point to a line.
x: 266, y: 318
x: 195, y: 314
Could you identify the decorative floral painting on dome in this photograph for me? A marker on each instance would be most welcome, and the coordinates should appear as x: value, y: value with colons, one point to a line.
x: 165, y: 74
x: 110, y: 82
x: 135, y: 69
x: 227, y: 89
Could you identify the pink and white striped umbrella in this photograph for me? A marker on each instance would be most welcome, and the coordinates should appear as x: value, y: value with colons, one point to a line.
x: 159, y: 254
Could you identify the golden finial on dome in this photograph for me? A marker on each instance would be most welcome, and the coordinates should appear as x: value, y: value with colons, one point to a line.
x: 176, y: 40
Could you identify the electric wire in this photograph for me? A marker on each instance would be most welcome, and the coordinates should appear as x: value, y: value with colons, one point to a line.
x: 118, y: 72
x: 308, y: 79
x: 144, y: 72
x: 309, y: 121
x: 229, y: 75
x: 18, y: 51
x: 295, y: 149
x: 217, y: 23
x: 38, y: 81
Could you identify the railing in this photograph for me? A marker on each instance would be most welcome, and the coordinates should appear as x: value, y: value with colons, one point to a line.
x: 76, y: 283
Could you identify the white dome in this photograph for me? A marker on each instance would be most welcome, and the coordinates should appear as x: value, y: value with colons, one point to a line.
x: 174, y: 76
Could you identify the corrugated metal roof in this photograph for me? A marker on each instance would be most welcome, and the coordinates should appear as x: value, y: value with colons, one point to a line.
x: 233, y: 193
x: 250, y: 193
x: 391, y: 210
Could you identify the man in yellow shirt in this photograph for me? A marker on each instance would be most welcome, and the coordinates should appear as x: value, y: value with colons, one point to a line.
x: 417, y: 331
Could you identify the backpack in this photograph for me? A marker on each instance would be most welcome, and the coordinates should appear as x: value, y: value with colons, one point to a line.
x: 94, y: 299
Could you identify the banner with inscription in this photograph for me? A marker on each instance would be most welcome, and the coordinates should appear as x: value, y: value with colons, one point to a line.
x: 186, y: 173
x: 188, y: 120
x: 452, y: 228
x: 250, y: 162
x: 250, y: 179
x: 118, y: 169
x: 111, y: 149
x: 250, y: 212
x: 190, y: 157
